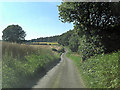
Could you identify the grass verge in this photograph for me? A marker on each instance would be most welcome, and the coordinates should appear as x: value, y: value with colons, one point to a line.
x: 22, y: 63
x: 100, y: 71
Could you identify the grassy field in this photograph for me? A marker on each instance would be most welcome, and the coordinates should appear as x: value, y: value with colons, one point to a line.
x: 47, y: 46
x: 21, y: 63
x: 44, y: 43
x: 99, y: 72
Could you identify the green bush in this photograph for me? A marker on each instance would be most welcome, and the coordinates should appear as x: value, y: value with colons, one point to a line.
x: 90, y: 46
x: 74, y: 43
x: 102, y: 70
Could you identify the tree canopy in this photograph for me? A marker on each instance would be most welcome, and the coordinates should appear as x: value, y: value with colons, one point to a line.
x: 91, y: 14
x: 13, y: 33
x: 96, y: 27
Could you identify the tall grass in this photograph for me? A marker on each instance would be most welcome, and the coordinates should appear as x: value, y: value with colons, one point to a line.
x: 16, y: 50
x: 21, y: 63
x: 100, y: 71
x: 43, y: 43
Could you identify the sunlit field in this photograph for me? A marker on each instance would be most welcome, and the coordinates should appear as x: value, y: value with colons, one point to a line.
x: 45, y: 43
x: 47, y: 46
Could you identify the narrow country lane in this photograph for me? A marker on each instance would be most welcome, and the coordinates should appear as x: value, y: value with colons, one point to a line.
x: 63, y: 75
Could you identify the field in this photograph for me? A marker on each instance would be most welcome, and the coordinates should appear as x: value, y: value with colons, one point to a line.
x: 44, y: 43
x: 21, y: 63
x: 48, y: 46
x: 100, y: 71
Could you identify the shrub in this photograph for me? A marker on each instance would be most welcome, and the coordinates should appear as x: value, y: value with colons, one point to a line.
x: 102, y: 71
x: 90, y: 46
x: 74, y: 43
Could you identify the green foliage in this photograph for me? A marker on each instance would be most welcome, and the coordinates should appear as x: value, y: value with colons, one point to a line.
x: 13, y: 33
x: 18, y: 68
x: 45, y: 39
x: 74, y: 43
x: 89, y: 14
x: 70, y: 39
x: 101, y: 71
x: 90, y: 46
x: 110, y: 38
x: 96, y: 26
x: 64, y: 38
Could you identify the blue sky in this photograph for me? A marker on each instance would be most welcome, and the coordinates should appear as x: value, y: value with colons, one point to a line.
x: 38, y: 19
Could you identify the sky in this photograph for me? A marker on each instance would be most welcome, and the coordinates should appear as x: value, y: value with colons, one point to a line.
x: 37, y: 19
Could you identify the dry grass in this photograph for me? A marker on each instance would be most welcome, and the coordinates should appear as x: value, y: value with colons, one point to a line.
x: 56, y: 47
x: 16, y: 50
x: 41, y: 46
x: 48, y: 43
x: 49, y: 47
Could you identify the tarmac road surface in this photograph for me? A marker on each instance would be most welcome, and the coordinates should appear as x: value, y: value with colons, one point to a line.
x: 63, y: 75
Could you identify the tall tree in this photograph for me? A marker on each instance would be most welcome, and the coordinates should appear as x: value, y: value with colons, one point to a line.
x: 100, y: 15
x: 13, y: 33
x: 64, y: 38
x: 97, y: 25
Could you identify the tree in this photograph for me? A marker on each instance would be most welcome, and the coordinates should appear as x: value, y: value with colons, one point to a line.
x: 13, y: 33
x: 74, y: 42
x: 98, y: 22
x: 91, y: 15
x: 64, y: 38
